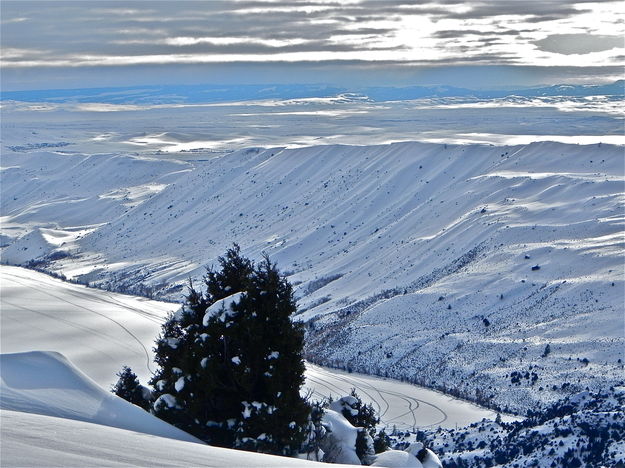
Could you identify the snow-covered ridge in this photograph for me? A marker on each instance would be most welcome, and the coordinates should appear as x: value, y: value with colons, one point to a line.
x: 439, y: 263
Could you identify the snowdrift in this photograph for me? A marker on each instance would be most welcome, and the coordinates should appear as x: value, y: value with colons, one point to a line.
x: 47, y: 383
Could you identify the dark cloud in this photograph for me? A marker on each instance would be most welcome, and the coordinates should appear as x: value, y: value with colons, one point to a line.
x: 537, y: 19
x: 68, y: 24
x: 568, y: 44
x: 543, y: 8
x: 458, y: 33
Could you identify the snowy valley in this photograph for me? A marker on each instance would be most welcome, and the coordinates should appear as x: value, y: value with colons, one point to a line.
x: 305, y: 233
x: 450, y: 266
x: 490, y: 272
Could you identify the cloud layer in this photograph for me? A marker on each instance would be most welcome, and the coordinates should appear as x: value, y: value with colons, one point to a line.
x: 565, y: 33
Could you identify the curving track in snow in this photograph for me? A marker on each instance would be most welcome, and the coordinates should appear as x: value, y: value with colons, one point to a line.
x: 97, y: 330
x: 398, y: 404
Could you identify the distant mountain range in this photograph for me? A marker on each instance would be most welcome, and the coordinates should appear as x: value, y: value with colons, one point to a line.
x: 195, y: 94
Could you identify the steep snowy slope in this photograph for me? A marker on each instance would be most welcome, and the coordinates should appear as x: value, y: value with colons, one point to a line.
x: 447, y: 265
x: 97, y: 330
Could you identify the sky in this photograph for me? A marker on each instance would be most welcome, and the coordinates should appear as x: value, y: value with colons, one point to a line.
x: 475, y: 44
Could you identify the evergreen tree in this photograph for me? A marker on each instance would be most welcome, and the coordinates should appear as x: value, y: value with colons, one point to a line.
x: 129, y: 388
x: 230, y: 362
x: 547, y: 350
x: 316, y: 432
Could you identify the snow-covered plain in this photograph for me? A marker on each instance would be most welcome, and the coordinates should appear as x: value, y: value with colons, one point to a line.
x: 100, y: 331
x: 199, y: 128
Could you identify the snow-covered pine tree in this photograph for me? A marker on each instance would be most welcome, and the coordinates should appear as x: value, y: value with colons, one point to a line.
x: 170, y: 352
x: 364, y: 414
x: 129, y: 388
x: 270, y: 350
x: 230, y: 362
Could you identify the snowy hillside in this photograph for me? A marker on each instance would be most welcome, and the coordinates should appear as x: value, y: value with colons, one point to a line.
x: 97, y: 330
x: 586, y: 429
x: 452, y: 266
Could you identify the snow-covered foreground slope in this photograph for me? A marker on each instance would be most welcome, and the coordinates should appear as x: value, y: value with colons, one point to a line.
x: 100, y: 331
x: 33, y: 440
x: 97, y: 330
x: 54, y: 415
x: 453, y: 266
x: 45, y: 401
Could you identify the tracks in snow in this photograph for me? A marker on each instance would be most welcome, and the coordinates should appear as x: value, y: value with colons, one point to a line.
x: 395, y: 408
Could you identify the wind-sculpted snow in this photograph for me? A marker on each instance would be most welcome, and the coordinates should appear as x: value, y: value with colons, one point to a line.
x: 33, y: 440
x: 47, y: 383
x: 452, y: 266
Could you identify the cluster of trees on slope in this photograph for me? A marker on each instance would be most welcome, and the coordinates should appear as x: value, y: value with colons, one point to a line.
x: 583, y: 430
x: 230, y: 370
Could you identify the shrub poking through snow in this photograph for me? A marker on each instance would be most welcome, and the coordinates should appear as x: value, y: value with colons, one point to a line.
x: 316, y: 434
x: 231, y: 361
x: 129, y: 388
x: 362, y: 419
x: 381, y: 442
